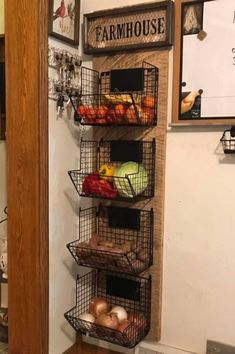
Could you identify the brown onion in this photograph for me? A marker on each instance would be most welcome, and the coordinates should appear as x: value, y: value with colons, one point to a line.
x: 123, y: 325
x: 98, y: 306
x: 109, y: 320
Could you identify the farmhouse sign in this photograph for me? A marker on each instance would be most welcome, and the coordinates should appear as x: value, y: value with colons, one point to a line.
x: 145, y: 25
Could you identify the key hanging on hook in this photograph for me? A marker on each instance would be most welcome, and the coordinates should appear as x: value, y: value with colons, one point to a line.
x: 60, y: 105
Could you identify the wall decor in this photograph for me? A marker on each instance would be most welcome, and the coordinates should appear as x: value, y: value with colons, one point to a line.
x: 64, y: 20
x: 145, y: 25
x: 204, y: 63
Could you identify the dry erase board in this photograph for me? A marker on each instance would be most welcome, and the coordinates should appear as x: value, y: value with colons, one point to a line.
x: 206, y: 83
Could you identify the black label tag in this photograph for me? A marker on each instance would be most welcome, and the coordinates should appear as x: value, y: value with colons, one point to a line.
x: 123, y: 287
x: 127, y: 80
x: 124, y: 218
x: 123, y: 150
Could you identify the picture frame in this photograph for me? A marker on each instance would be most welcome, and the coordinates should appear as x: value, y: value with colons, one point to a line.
x: 130, y: 27
x: 64, y: 20
x: 199, y: 73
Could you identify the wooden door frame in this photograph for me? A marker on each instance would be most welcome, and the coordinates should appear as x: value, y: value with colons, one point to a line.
x: 27, y: 149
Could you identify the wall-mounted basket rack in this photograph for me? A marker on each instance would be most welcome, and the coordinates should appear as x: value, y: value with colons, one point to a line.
x: 114, y: 238
x: 118, y: 97
x: 228, y: 141
x: 133, y: 176
x: 131, y: 292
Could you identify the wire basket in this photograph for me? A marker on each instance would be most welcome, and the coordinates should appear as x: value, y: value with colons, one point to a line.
x: 132, y: 293
x: 117, y: 169
x: 118, y: 97
x: 228, y: 141
x: 114, y: 238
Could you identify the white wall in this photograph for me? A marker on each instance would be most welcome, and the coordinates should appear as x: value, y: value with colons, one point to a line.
x: 3, y: 177
x: 199, y: 262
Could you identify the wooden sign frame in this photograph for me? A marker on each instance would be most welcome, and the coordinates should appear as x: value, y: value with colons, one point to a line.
x: 116, y: 32
x: 177, y: 67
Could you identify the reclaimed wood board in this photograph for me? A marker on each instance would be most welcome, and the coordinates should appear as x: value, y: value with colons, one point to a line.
x: 131, y: 60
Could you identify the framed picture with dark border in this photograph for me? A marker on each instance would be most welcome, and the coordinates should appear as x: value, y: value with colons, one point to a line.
x: 192, y: 18
x: 64, y: 19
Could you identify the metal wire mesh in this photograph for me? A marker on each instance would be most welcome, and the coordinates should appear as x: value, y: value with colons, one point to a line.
x: 136, y: 185
x: 108, y: 243
x: 101, y: 104
x: 137, y: 305
x: 228, y: 141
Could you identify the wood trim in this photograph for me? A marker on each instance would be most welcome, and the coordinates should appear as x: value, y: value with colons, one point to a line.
x: 27, y: 145
x: 176, y: 78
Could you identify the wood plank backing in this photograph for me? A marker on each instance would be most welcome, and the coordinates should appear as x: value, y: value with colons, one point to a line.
x: 129, y: 60
x: 27, y: 135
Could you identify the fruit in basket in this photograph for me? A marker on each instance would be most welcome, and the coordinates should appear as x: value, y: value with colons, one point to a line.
x: 98, y: 306
x: 119, y: 110
x: 109, y: 320
x: 102, y: 111
x: 130, y: 178
x: 118, y: 98
x: 148, y: 101
x: 120, y: 312
x: 101, y: 121
x: 147, y: 115
x: 81, y: 110
x: 106, y: 171
x: 111, y: 116
x: 90, y: 114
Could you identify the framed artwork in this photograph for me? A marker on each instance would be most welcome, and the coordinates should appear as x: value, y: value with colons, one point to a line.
x: 64, y: 20
x: 126, y: 28
x: 204, y: 63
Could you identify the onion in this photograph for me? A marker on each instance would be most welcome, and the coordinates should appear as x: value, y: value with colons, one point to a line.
x: 98, y: 306
x: 123, y: 325
x: 87, y: 317
x: 120, y: 312
x: 138, y: 319
x: 109, y: 320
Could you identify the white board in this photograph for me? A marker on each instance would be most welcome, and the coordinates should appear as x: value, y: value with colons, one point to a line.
x: 209, y: 64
